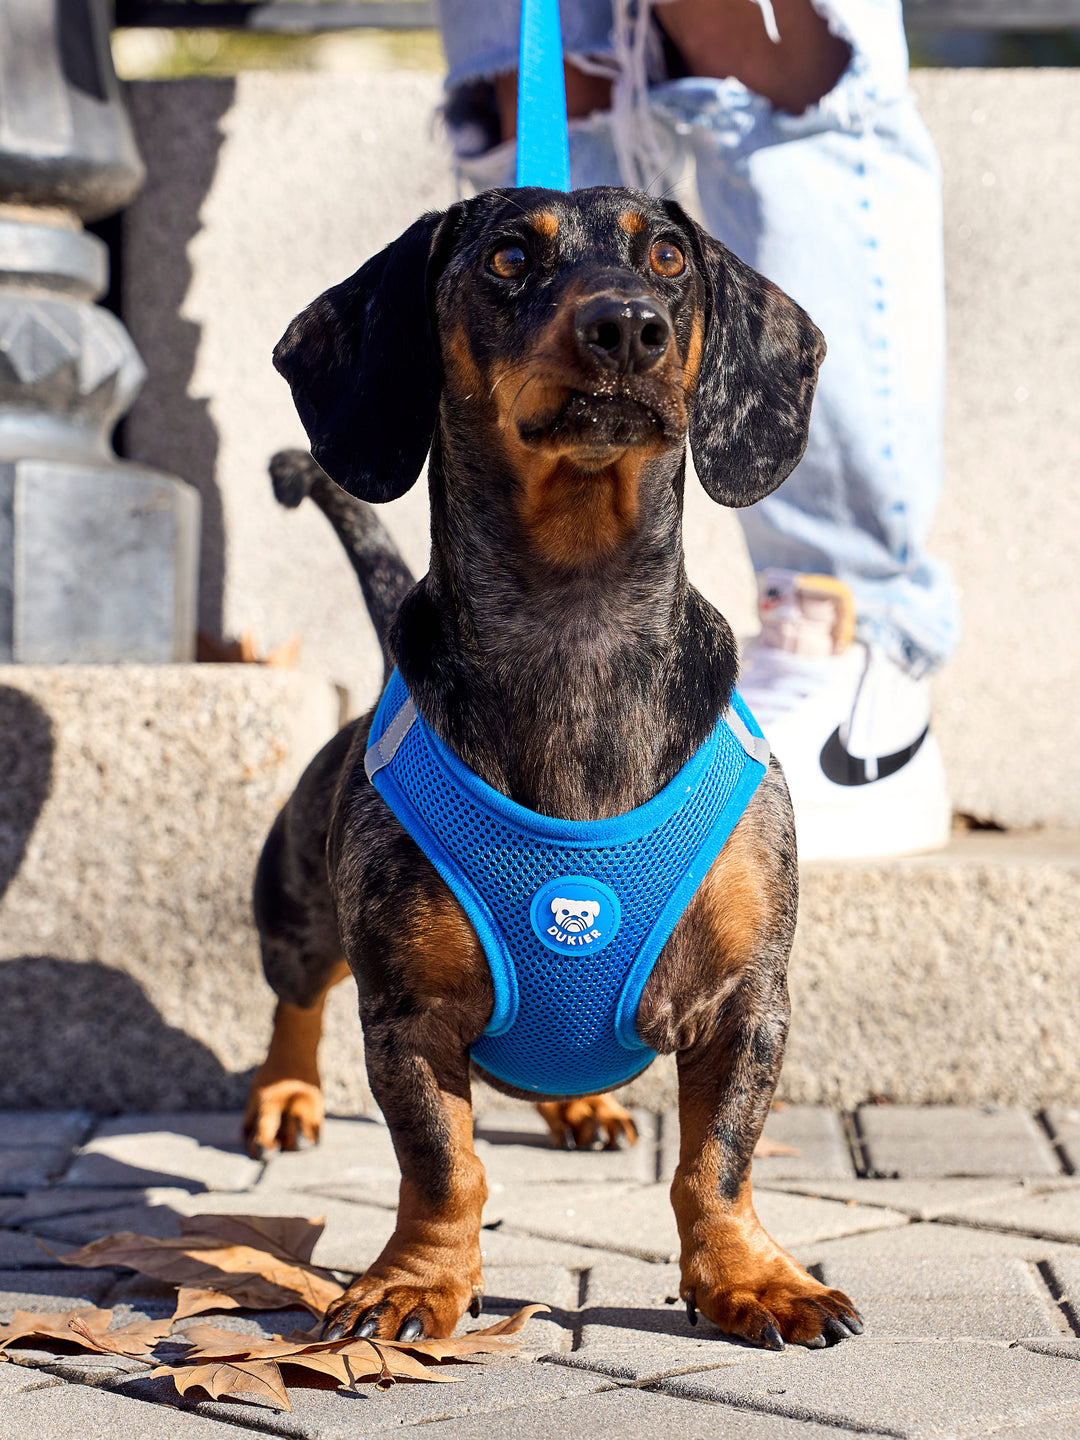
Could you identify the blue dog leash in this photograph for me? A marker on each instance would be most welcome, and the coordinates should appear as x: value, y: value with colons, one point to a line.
x: 543, y: 145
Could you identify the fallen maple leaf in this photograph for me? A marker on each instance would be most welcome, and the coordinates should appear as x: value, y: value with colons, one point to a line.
x: 241, y: 1256
x: 135, y: 1340
x: 289, y: 1237
x: 231, y: 1363
x: 192, y: 1301
x: 229, y: 1377
x: 247, y: 1261
x: 27, y: 1326
x: 490, y: 1341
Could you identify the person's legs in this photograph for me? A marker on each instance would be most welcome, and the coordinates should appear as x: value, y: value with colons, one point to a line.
x: 839, y: 205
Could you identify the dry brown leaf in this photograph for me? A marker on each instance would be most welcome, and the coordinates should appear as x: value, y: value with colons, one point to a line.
x: 136, y: 1340
x: 489, y: 1341
x: 229, y: 1377
x: 192, y: 1301
x: 257, y: 1278
x: 57, y: 1326
x: 289, y: 1237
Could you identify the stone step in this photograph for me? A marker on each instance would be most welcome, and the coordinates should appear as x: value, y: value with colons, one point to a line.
x: 134, y: 804
x: 948, y: 978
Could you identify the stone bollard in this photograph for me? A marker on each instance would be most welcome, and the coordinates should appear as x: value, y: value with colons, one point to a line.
x: 98, y: 557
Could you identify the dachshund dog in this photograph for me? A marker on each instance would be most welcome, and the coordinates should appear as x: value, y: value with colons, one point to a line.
x: 551, y: 355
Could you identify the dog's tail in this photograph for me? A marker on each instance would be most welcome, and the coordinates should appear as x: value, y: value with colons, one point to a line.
x: 384, y: 577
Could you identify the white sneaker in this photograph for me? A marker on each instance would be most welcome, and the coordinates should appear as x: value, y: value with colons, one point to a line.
x: 848, y: 725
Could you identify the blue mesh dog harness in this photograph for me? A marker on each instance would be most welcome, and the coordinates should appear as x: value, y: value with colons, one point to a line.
x: 572, y: 914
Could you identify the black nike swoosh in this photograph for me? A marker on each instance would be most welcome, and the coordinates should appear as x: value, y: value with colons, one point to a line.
x: 844, y: 769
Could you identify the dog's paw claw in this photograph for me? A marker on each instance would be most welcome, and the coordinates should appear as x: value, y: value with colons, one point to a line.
x: 412, y: 1329
x: 771, y: 1338
x: 691, y: 1311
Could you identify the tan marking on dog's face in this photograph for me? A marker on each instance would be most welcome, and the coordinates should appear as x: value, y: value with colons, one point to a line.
x: 577, y: 506
x: 545, y: 223
x: 631, y: 222
x: 694, y: 349
x: 461, y: 373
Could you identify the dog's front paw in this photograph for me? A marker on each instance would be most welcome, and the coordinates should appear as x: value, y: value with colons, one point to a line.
x: 766, y: 1298
x: 285, y: 1114
x: 412, y: 1297
x: 579, y: 1124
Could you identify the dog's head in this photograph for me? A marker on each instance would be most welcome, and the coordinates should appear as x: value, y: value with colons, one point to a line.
x: 580, y: 335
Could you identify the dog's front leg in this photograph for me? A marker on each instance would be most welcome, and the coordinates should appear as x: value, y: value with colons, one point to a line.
x: 429, y: 1272
x: 732, y: 1271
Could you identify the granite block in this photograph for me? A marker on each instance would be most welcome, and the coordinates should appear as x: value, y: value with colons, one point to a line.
x: 915, y: 1389
x: 198, y: 1152
x: 914, y: 1141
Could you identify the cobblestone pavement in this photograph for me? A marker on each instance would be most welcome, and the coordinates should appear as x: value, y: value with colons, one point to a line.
x: 956, y: 1231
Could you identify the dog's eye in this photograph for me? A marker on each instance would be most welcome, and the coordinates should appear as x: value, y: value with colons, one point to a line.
x: 509, y: 263
x: 667, y: 259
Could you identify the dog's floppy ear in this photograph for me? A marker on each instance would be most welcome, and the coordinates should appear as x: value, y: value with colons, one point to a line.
x: 760, y: 356
x: 363, y: 364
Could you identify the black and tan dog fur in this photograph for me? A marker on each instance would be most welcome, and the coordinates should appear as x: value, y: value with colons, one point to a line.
x: 556, y: 353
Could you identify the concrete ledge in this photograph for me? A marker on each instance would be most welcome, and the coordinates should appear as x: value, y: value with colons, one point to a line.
x: 940, y: 979
x: 133, y: 803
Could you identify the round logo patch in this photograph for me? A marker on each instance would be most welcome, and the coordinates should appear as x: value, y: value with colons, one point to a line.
x: 575, y: 915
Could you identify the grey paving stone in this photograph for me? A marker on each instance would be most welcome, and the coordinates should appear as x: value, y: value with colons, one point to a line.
x: 17, y: 1379
x: 917, y: 1243
x: 64, y: 1412
x: 634, y: 1327
x: 627, y: 1414
x: 509, y: 1287
x: 1066, y: 1347
x: 915, y: 1141
x: 814, y: 1130
x: 44, y: 1127
x: 85, y: 1369
x: 1064, y: 1275
x: 921, y: 1199
x: 505, y: 1247
x: 1063, y: 1429
x: 913, y: 1389
x: 817, y: 1133
x: 31, y: 1166
x: 1064, y: 1121
x: 17, y: 1249
x: 484, y: 1389
x: 997, y: 1298
x: 151, y: 1217
x: 1055, y: 1215
x: 50, y: 1290
x: 197, y: 1152
x: 354, y: 1157
x: 40, y: 1204
x: 638, y: 1220
x: 516, y: 1148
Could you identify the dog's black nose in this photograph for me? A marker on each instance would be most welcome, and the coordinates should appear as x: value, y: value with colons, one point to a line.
x: 620, y: 333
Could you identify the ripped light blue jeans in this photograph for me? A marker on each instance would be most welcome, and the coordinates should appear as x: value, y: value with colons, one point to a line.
x: 841, y: 207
